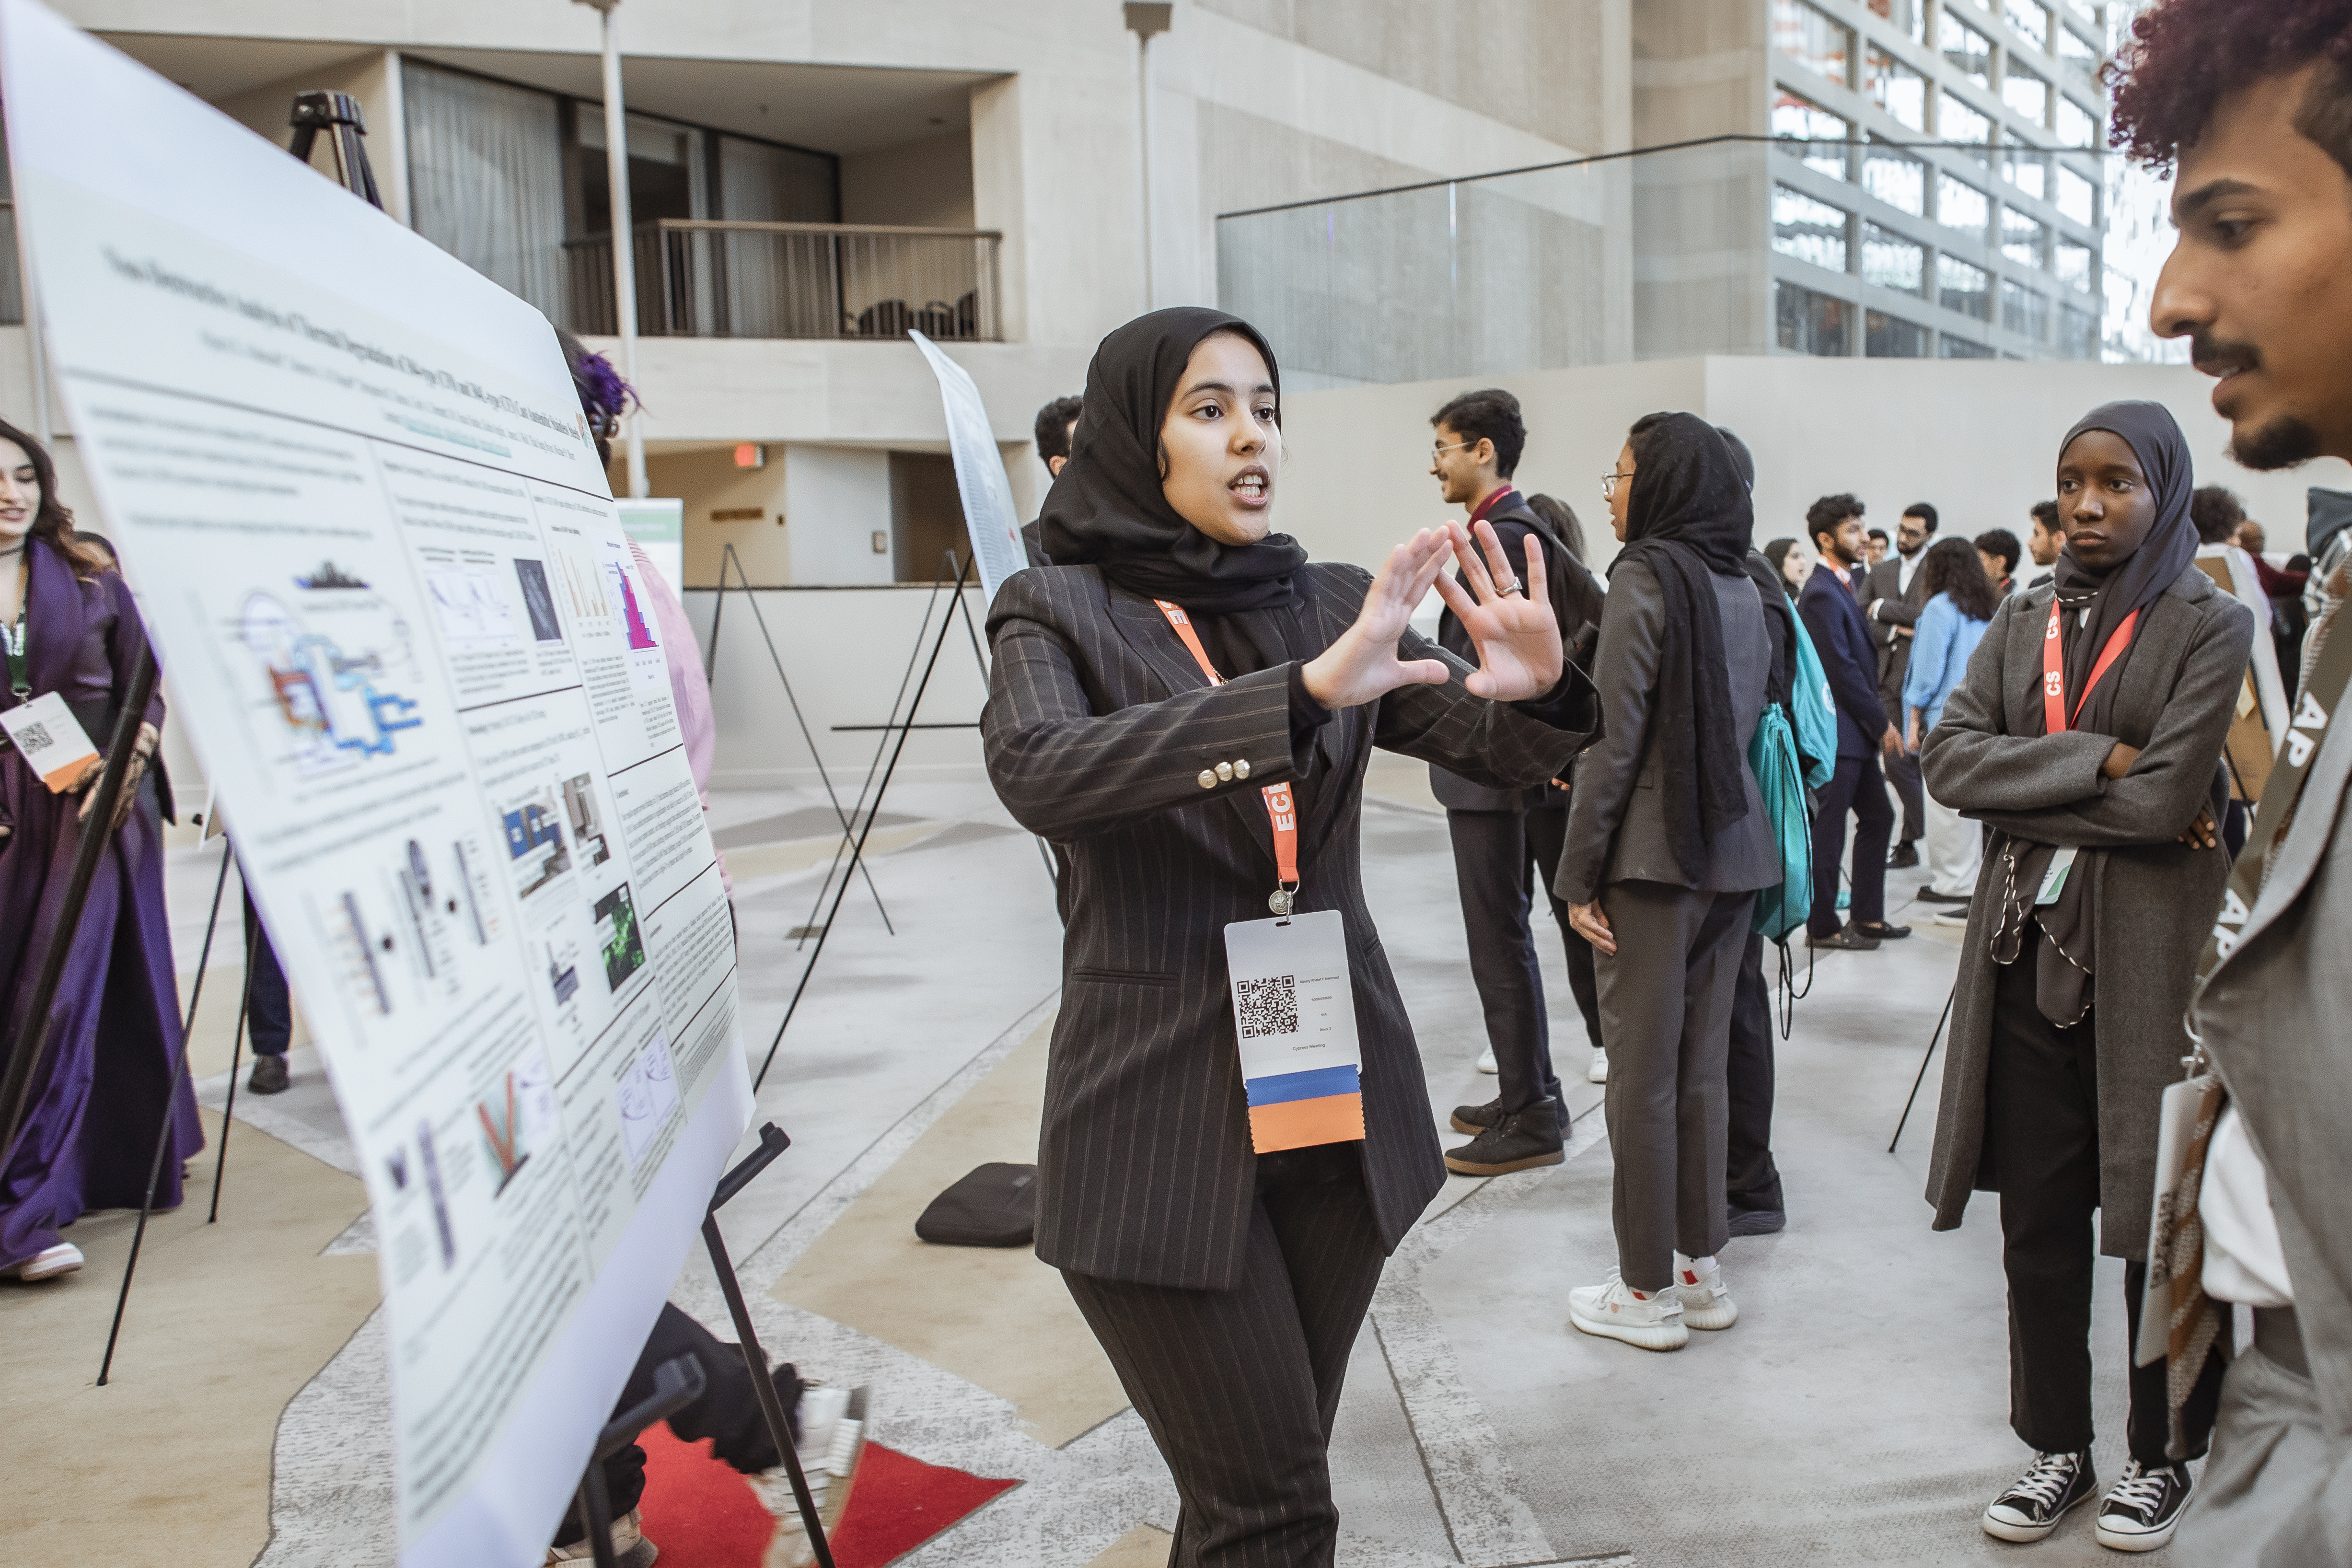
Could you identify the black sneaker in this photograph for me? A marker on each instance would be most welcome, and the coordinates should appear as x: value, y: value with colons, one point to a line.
x: 1879, y: 930
x: 1521, y: 1140
x: 2143, y: 1507
x: 2032, y: 1508
x: 1757, y: 1222
x: 1849, y: 938
x: 1929, y: 896
x: 1474, y: 1119
x: 268, y: 1076
x: 1906, y: 854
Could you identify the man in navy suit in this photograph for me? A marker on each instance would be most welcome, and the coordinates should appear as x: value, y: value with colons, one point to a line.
x: 1842, y: 637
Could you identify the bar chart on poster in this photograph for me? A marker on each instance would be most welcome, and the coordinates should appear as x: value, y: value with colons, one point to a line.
x: 372, y: 543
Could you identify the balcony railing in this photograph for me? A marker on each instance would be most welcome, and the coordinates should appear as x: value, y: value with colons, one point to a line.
x: 706, y: 279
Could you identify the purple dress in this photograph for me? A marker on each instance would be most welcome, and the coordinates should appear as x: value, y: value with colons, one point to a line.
x: 101, y: 1095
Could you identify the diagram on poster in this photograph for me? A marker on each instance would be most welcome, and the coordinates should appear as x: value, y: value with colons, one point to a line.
x: 339, y: 702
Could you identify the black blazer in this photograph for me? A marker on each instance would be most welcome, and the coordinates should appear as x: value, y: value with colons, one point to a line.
x: 1098, y: 729
x: 1840, y: 634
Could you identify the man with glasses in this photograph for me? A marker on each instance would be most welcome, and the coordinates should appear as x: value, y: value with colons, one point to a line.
x: 1502, y: 837
x: 1894, y: 600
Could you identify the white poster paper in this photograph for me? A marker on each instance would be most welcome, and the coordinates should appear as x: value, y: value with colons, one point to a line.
x: 373, y: 546
x: 988, y: 515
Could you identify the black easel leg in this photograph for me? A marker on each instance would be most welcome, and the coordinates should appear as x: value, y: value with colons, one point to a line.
x: 228, y: 1113
x: 596, y: 1513
x: 164, y: 1134
x: 1932, y: 1041
x: 764, y: 1383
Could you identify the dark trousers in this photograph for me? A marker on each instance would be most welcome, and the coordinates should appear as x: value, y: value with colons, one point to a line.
x: 727, y: 1413
x: 1240, y: 1387
x: 2042, y: 1121
x: 1903, y: 773
x: 1750, y: 1180
x: 269, y: 1010
x: 1665, y: 1001
x: 1857, y: 786
x: 1500, y: 858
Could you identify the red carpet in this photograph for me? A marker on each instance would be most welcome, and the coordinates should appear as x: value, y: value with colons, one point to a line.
x: 702, y: 1514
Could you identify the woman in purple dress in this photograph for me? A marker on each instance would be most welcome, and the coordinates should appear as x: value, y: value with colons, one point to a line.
x: 104, y: 1083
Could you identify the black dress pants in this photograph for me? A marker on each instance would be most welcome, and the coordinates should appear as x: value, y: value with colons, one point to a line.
x: 1240, y: 1387
x: 1499, y: 860
x: 1903, y: 773
x: 1857, y: 786
x: 2042, y: 1122
x: 1751, y: 1182
x: 269, y: 1007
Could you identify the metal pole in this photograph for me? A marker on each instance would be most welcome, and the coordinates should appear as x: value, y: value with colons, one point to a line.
x: 1146, y: 20
x: 624, y: 261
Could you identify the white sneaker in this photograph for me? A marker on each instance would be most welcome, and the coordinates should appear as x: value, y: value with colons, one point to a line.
x: 1599, y: 1071
x: 50, y: 1262
x: 833, y: 1423
x: 630, y: 1547
x: 1705, y: 1296
x: 1487, y: 1061
x: 1614, y: 1309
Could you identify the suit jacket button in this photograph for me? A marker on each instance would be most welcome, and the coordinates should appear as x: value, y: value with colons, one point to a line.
x: 1240, y: 769
x: 1225, y: 770
x: 1208, y: 778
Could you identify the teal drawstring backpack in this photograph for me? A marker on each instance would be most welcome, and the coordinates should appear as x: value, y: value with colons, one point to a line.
x: 1787, y: 758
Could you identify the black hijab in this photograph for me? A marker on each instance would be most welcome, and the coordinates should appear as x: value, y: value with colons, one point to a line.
x: 2092, y: 606
x: 1689, y: 520
x: 1106, y: 507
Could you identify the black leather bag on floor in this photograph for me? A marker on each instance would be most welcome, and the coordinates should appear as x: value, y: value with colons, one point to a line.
x: 996, y: 1205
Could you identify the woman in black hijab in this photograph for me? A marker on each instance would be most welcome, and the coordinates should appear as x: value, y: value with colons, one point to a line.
x: 1667, y: 843
x: 1227, y: 1285
x: 2087, y: 734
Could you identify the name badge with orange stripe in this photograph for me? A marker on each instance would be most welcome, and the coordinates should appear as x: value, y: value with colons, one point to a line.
x: 50, y: 740
x: 1295, y: 1012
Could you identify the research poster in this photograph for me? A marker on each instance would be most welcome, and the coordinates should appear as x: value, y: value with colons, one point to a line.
x: 371, y: 539
x: 988, y: 519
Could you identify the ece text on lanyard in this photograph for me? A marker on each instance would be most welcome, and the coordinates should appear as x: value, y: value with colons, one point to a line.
x: 1279, y: 809
x: 2057, y: 720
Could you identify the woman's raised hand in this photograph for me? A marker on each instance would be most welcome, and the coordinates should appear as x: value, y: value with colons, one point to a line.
x: 1517, y: 635
x: 1362, y: 664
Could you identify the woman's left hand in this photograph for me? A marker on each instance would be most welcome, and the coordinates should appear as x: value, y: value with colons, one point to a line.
x: 143, y: 748
x: 1514, y: 632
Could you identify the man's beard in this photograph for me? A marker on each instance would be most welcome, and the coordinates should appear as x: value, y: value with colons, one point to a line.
x: 2283, y: 443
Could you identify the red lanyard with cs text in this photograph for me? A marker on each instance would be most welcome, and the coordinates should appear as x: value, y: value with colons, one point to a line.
x: 2056, y: 719
x: 1279, y: 809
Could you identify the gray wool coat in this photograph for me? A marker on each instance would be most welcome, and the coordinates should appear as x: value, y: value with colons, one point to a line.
x: 2157, y: 897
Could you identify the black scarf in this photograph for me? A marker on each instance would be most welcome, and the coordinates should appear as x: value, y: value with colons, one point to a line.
x: 1106, y: 507
x: 1689, y: 520
x: 2092, y: 606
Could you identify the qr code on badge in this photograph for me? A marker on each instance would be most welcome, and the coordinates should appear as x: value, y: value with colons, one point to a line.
x: 34, y: 737
x: 1269, y: 1006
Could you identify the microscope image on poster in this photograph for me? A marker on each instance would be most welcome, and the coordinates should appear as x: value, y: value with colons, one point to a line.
x: 587, y: 821
x: 618, y: 937
x: 535, y: 841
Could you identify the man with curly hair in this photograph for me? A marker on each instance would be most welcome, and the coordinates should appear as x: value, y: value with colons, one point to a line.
x: 2252, y: 103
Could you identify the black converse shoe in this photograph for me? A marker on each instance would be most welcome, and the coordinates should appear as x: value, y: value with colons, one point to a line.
x: 1519, y: 1141
x: 1474, y: 1119
x: 2143, y: 1507
x: 2032, y: 1508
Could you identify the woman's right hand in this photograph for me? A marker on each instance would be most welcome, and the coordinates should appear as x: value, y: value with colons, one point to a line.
x: 1362, y: 664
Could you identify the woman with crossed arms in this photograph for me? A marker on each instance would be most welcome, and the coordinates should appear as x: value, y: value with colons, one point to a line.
x: 1227, y: 1284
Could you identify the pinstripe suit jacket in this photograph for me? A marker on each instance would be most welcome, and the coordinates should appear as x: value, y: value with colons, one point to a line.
x: 1098, y: 729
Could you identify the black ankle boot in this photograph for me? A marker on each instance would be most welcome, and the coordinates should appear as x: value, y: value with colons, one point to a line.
x: 1519, y: 1141
x: 1474, y: 1119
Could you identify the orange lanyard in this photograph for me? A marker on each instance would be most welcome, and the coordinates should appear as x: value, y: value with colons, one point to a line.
x: 1278, y: 807
x: 2055, y: 718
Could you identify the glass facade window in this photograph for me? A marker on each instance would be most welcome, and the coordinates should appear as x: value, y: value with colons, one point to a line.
x: 1895, y: 88
x: 1895, y: 178
x: 2027, y: 168
x: 1910, y: 16
x: 1966, y: 50
x: 2078, y: 334
x: 2076, y: 50
x: 1891, y: 261
x: 1812, y: 322
x: 2031, y: 20
x: 2076, y: 196
x: 2087, y: 9
x: 1961, y: 205
x: 2022, y: 238
x: 1892, y: 337
x: 2077, y: 126
x: 1949, y: 347
x: 1811, y: 39
x: 2027, y: 95
x: 1956, y: 121
x: 1799, y: 119
x: 2078, y: 266
x: 2025, y: 312
x: 1962, y: 287
x: 1809, y: 230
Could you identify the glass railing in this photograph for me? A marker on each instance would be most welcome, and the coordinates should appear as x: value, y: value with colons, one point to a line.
x: 708, y: 280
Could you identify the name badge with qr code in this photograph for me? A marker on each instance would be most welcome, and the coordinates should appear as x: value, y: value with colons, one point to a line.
x: 50, y: 739
x: 1295, y: 1017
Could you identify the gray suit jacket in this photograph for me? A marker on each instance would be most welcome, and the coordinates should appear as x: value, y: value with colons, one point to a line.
x: 1896, y: 607
x: 2157, y: 896
x: 1098, y: 727
x: 1616, y: 827
x: 2276, y: 1019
